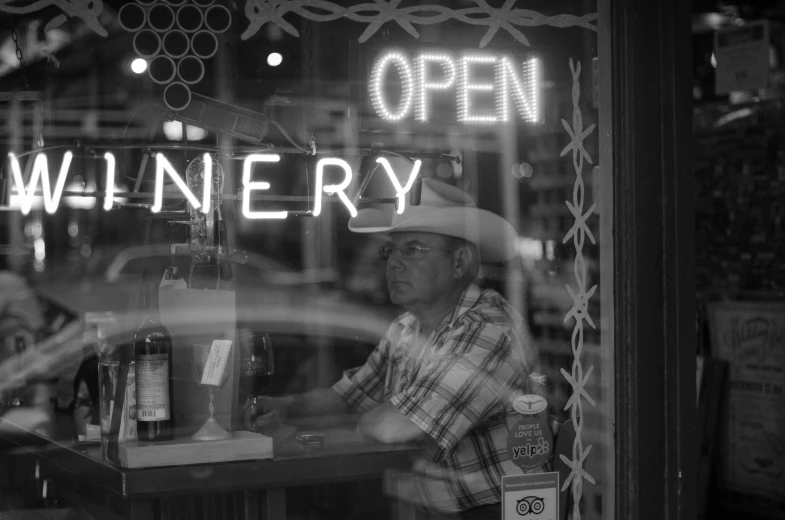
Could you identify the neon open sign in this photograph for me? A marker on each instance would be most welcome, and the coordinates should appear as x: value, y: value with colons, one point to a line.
x: 51, y: 196
x: 469, y: 76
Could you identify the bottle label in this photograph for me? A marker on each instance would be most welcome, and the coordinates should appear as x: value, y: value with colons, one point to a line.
x: 152, y: 387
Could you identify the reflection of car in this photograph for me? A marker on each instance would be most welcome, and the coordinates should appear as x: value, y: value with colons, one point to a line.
x: 116, y: 286
x: 133, y: 261
x: 316, y: 331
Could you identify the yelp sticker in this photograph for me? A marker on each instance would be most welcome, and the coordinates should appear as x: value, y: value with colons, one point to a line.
x: 530, y: 441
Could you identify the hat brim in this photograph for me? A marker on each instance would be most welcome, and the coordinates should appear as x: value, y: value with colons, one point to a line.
x: 494, y: 236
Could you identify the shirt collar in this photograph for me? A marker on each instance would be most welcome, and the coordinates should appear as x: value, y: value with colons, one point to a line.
x: 468, y: 299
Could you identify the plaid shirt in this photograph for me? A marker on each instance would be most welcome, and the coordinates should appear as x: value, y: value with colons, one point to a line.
x: 457, y: 386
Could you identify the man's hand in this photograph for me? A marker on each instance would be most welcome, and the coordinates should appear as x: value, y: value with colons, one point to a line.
x: 267, y: 411
x: 274, y: 410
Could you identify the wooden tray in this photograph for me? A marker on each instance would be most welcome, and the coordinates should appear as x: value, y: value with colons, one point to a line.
x: 242, y: 446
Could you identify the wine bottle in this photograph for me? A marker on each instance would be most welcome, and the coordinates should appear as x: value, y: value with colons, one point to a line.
x: 152, y: 345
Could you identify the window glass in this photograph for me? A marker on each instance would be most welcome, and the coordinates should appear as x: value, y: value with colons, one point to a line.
x: 312, y: 133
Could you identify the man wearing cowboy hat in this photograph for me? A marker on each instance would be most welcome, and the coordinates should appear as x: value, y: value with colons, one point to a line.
x: 448, y: 368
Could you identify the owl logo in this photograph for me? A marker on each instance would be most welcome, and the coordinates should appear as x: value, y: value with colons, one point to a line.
x: 530, y: 505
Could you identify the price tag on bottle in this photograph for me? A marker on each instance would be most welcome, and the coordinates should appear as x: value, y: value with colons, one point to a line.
x: 216, y: 362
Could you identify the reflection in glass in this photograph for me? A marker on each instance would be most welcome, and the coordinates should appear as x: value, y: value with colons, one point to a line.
x: 201, y: 364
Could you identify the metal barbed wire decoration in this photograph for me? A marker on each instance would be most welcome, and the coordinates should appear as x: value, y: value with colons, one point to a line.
x: 380, y: 12
x: 376, y: 14
x: 580, y: 308
x: 88, y: 10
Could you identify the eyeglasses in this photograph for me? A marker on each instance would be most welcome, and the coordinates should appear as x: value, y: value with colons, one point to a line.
x: 409, y: 252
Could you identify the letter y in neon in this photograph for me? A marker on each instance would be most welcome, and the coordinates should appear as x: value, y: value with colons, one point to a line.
x: 400, y: 191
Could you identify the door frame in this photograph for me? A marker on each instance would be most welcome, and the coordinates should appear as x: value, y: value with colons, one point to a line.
x: 647, y: 95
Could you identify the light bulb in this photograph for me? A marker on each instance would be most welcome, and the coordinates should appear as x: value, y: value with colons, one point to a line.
x: 274, y: 59
x: 139, y: 65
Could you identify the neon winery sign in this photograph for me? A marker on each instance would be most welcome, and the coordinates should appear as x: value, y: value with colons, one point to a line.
x: 471, y: 75
x: 51, y: 196
x: 487, y: 87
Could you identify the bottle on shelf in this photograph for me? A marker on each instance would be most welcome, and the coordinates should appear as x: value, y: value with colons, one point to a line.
x: 152, y: 346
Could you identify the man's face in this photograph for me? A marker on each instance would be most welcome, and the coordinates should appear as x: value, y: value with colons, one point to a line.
x: 425, y: 280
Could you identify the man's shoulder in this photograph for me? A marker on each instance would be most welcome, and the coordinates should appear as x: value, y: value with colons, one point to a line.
x: 492, y: 308
x: 491, y: 316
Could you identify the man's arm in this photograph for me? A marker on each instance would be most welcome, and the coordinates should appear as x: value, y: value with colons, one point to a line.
x: 358, y: 389
x: 320, y: 401
x: 388, y: 425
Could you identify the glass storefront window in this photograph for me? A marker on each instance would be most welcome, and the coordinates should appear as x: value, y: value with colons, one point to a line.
x: 245, y: 162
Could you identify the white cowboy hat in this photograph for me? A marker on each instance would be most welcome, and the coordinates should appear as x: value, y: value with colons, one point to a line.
x: 446, y: 210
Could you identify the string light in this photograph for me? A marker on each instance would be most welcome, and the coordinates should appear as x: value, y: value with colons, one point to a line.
x: 333, y: 188
x: 466, y: 86
x: 534, y: 77
x: 524, y: 91
x: 249, y: 186
x: 378, y: 75
x: 40, y: 255
x: 207, y: 185
x: 400, y: 191
x: 503, y: 94
x: 162, y: 165
x: 40, y: 170
x: 111, y: 163
x: 423, y: 85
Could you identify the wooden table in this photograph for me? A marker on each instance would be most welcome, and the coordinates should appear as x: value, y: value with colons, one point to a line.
x: 230, y: 490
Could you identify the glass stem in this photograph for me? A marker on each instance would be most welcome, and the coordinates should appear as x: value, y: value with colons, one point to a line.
x: 211, y: 392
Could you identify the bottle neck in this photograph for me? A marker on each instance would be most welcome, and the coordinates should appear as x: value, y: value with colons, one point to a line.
x: 149, y: 309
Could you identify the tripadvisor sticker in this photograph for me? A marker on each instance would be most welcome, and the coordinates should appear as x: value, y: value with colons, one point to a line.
x: 530, y: 497
x: 530, y: 441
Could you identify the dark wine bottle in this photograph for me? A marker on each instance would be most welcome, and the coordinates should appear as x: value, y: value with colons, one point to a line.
x: 152, y: 345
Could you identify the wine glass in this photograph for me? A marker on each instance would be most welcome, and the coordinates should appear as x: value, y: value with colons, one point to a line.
x: 205, y: 369
x: 256, y: 367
